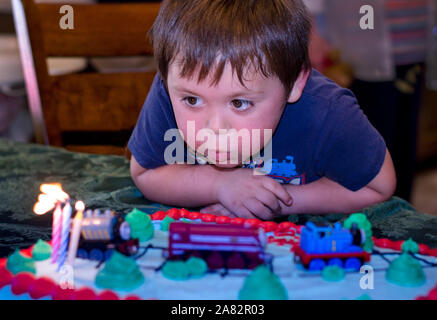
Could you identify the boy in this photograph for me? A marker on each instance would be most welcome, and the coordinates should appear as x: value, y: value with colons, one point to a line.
x: 243, y: 65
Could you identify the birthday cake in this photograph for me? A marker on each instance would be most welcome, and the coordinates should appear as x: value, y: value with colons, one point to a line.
x: 184, y: 255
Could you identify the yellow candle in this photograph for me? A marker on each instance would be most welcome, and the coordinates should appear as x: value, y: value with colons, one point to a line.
x: 75, y: 233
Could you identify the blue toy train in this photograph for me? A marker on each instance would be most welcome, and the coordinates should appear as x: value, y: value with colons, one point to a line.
x: 102, y: 233
x: 325, y: 245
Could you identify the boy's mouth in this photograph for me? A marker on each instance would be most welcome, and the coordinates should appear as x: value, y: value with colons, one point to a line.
x: 218, y: 155
x: 222, y: 156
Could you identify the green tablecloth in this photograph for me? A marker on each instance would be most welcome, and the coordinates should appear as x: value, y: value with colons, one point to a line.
x: 104, y: 182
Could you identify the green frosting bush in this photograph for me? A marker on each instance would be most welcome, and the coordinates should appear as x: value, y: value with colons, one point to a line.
x: 197, y: 267
x: 120, y: 273
x: 333, y: 273
x: 18, y: 263
x: 405, y: 271
x: 165, y: 223
x: 182, y: 270
x: 362, y: 222
x: 364, y: 297
x: 41, y: 250
x: 262, y: 284
x: 141, y: 225
x: 175, y: 270
x: 410, y: 246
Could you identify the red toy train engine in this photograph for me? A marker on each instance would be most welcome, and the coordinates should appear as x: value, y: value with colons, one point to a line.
x: 229, y: 246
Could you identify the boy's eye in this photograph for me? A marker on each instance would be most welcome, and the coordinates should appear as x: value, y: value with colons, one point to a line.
x: 192, y: 101
x: 241, y: 104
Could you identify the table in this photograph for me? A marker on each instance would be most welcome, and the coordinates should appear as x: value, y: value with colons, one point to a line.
x: 104, y: 182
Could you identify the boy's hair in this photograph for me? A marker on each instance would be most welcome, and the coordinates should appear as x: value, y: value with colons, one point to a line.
x: 270, y: 35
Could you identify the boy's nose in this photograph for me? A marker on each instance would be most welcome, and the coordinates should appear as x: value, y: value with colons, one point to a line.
x: 216, y: 121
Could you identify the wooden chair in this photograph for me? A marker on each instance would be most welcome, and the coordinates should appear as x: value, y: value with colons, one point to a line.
x: 86, y: 112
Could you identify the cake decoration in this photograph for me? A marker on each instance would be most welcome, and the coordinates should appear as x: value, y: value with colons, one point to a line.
x: 333, y: 273
x: 410, y: 246
x: 166, y: 222
x: 105, y: 232
x: 75, y: 232
x: 17, y: 263
x: 41, y: 250
x: 262, y: 284
x: 110, y: 250
x: 222, y: 246
x: 119, y: 273
x: 405, y: 271
x: 194, y: 267
x: 140, y: 224
x: 326, y: 245
x: 197, y: 267
x: 175, y: 270
x: 364, y: 297
x: 361, y: 222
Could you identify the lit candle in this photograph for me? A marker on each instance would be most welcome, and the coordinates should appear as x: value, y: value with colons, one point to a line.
x: 66, y: 218
x: 56, y: 231
x: 75, y: 234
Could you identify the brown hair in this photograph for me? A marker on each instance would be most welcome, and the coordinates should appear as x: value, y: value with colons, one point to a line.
x: 270, y: 35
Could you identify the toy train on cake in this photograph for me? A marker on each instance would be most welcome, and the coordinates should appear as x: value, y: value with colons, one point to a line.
x: 326, y: 245
x: 101, y: 233
x: 221, y: 246
x: 224, y: 246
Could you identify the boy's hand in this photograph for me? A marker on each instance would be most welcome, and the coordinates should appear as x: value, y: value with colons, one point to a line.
x: 218, y: 209
x: 243, y: 194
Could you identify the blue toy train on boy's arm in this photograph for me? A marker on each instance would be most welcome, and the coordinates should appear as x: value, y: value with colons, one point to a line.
x: 326, y: 245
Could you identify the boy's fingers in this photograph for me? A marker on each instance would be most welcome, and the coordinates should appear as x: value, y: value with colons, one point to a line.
x: 270, y: 200
x: 279, y: 191
x: 209, y: 209
x: 258, y: 209
x: 217, y: 208
x: 243, y: 212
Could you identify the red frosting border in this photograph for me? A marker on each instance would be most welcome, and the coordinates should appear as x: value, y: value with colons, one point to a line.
x: 284, y: 233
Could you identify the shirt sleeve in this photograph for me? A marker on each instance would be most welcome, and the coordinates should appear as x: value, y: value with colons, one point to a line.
x: 147, y: 142
x: 350, y: 150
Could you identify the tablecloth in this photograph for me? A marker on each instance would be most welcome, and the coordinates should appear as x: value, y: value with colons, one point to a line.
x: 104, y: 182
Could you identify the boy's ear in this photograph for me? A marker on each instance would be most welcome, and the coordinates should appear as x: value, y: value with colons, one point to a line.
x: 298, y: 87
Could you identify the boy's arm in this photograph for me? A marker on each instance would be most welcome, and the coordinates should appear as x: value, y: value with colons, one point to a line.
x: 327, y: 196
x: 192, y: 186
x: 179, y: 184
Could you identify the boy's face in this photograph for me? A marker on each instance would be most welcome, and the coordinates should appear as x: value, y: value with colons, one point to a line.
x: 228, y: 105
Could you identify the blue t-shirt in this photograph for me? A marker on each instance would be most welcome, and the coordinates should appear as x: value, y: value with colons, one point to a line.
x: 323, y: 134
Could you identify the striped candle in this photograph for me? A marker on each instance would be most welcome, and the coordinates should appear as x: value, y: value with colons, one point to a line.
x: 56, y: 231
x: 75, y: 233
x: 66, y: 217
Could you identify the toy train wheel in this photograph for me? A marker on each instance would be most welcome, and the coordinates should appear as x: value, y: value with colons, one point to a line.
x: 96, y: 254
x: 316, y: 265
x: 235, y: 261
x: 82, y: 254
x: 335, y: 262
x: 215, y: 260
x: 353, y: 263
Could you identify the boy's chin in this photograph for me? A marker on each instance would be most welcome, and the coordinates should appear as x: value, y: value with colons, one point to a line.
x: 226, y: 165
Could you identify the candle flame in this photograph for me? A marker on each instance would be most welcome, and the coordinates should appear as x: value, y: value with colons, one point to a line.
x: 42, y: 207
x: 80, y: 206
x: 54, y: 190
x: 51, y: 193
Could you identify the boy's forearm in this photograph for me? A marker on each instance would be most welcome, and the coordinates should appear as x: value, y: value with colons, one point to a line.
x: 326, y: 196
x: 179, y: 185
